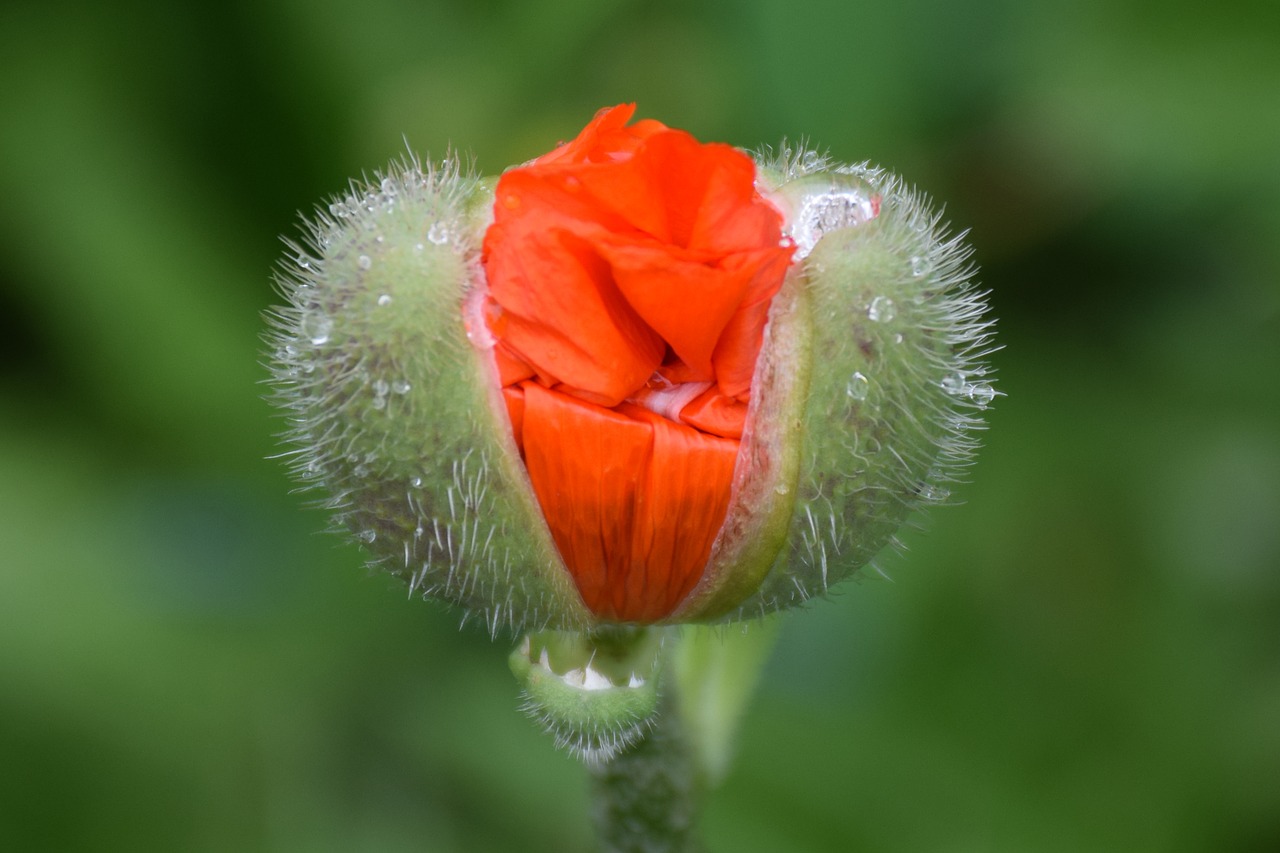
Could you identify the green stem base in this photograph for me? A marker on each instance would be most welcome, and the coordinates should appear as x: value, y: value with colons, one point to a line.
x: 646, y: 800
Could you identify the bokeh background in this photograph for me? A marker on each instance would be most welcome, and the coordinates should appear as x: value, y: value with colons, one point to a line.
x: 1084, y: 655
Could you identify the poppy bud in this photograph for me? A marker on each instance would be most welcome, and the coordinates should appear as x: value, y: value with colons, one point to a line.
x: 638, y: 380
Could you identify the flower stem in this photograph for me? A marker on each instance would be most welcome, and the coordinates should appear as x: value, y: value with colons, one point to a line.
x: 646, y: 800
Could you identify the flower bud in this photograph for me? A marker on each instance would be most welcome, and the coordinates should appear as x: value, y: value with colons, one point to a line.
x: 637, y: 380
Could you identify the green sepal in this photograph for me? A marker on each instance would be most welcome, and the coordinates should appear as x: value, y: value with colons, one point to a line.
x: 895, y: 337
x: 762, y: 498
x: 385, y: 365
x: 595, y: 692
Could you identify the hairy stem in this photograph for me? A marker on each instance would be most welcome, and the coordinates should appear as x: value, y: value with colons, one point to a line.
x: 646, y: 800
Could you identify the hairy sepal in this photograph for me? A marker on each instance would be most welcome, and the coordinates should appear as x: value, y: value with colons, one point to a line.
x: 764, y: 479
x: 895, y: 338
x: 595, y: 693
x: 392, y: 396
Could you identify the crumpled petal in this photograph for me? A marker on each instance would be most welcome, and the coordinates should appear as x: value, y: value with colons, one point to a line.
x: 629, y: 262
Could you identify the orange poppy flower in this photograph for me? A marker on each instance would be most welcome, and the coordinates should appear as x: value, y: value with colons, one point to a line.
x: 629, y: 275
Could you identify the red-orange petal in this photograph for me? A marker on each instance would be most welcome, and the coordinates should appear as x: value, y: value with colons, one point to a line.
x: 684, y: 193
x: 738, y: 349
x: 631, y: 264
x: 513, y: 396
x: 673, y: 371
x: 578, y: 330
x: 588, y: 468
x: 686, y: 302
x: 511, y: 368
x: 714, y: 413
x: 686, y: 498
x: 633, y: 500
x: 604, y: 138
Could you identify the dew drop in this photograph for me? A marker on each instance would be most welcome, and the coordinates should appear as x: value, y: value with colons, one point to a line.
x: 881, y: 310
x: 825, y: 212
x: 367, y: 535
x: 416, y: 482
x: 934, y: 494
x: 920, y: 266
x: 438, y: 233
x: 317, y: 328
x: 811, y: 161
x: 953, y: 384
x: 380, y: 388
x: 384, y: 300
x: 379, y: 403
x: 419, y: 247
x: 897, y: 339
x: 401, y: 386
x: 981, y: 394
x: 339, y: 210
x: 858, y: 387
x: 388, y: 187
x: 360, y: 471
x: 781, y: 489
x: 364, y: 262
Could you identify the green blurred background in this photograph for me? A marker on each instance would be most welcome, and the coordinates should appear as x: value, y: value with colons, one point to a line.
x: 1085, y: 655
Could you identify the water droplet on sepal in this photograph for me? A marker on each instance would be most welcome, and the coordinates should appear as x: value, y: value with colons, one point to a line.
x: 881, y: 310
x: 858, y: 387
x: 317, y: 327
